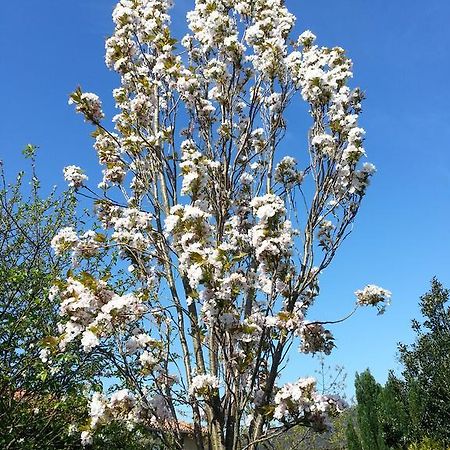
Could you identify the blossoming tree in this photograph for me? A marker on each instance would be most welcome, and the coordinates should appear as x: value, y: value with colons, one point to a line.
x: 225, y: 239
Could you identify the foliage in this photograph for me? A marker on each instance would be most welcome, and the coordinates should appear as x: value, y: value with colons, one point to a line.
x: 369, y: 433
x: 353, y: 441
x: 393, y: 413
x: 38, y: 400
x: 427, y: 367
x: 225, y: 238
x: 301, y: 438
x: 427, y: 444
x: 382, y: 416
x: 413, y: 411
x: 115, y: 436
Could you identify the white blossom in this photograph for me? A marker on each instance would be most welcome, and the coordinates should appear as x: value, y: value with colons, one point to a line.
x: 44, y: 355
x: 88, y: 104
x: 86, y: 438
x: 66, y: 239
x: 89, y: 341
x: 202, y: 384
x: 75, y: 176
x: 373, y: 295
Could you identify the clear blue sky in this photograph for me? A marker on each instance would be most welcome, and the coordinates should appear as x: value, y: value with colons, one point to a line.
x: 400, y: 51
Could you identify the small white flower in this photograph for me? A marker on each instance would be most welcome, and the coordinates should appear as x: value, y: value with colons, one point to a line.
x: 86, y: 438
x: 44, y: 355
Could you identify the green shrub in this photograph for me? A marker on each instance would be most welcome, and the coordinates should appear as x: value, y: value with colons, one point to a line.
x: 427, y: 444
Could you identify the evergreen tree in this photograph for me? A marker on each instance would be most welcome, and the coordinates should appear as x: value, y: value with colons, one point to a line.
x: 369, y: 436
x: 414, y: 410
x: 353, y: 441
x: 427, y: 367
x: 393, y: 413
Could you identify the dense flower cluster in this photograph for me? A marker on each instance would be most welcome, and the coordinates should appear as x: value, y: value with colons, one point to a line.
x: 190, y: 228
x: 194, y: 167
x: 214, y: 27
x: 87, y: 104
x: 123, y: 405
x: 301, y: 401
x: 315, y: 338
x: 88, y: 244
x: 66, y: 239
x: 92, y: 308
x: 132, y: 229
x: 373, y: 295
x: 202, y: 384
x: 85, y: 246
x: 75, y: 176
x: 272, y: 238
x: 268, y: 34
x: 321, y: 74
x: 287, y: 174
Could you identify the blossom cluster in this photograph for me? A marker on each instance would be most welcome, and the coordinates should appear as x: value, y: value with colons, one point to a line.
x: 373, y: 295
x: 272, y: 239
x: 65, y: 239
x: 214, y: 28
x: 300, y: 401
x: 75, y: 176
x: 203, y: 384
x: 287, y: 174
x: 132, y: 229
x: 87, y: 104
x: 190, y: 229
x: 92, y: 308
x: 321, y: 74
x: 272, y: 23
x: 123, y: 405
x: 194, y: 167
x: 324, y: 234
x: 315, y: 338
x: 86, y: 245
